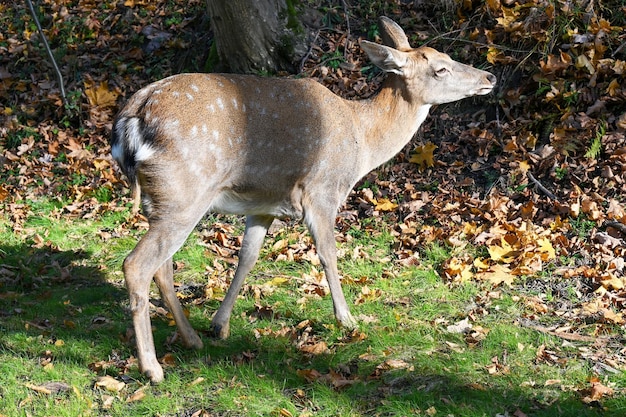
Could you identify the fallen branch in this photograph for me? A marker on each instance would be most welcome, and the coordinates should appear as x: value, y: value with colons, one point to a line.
x: 540, y: 186
x: 616, y: 225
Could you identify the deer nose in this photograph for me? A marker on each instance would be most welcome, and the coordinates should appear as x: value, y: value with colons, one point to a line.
x: 492, y: 78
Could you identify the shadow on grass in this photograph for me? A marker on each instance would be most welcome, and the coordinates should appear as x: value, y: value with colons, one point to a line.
x: 47, y: 295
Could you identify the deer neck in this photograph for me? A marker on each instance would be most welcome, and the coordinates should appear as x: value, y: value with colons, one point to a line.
x: 390, y: 120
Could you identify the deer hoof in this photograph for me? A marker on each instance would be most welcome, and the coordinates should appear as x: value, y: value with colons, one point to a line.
x: 154, y: 373
x: 220, y: 331
x: 348, y: 322
x: 193, y: 341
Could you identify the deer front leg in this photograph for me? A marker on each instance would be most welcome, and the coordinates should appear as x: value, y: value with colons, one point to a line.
x: 256, y: 229
x: 320, y: 221
x: 164, y: 279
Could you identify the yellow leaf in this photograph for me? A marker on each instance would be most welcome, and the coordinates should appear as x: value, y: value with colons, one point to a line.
x: 545, y: 247
x: 524, y: 166
x: 277, y: 281
x: 368, y: 294
x: 583, y: 62
x: 480, y: 263
x: 611, y: 282
x: 458, y: 269
x: 385, y: 205
x: 613, y: 87
x: 499, y: 274
x: 110, y: 384
x: 423, y: 156
x: 504, y: 253
x: 100, y: 95
x: 494, y: 55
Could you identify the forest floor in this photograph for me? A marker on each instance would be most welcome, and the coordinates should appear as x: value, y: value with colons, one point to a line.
x: 525, y: 189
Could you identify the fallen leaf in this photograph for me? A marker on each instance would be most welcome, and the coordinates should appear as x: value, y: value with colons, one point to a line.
x: 497, y: 274
x: 100, y: 95
x: 109, y: 383
x: 136, y: 396
x: 423, y: 156
x: 385, y: 204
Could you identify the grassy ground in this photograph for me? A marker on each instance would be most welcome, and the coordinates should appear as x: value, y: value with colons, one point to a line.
x: 66, y: 348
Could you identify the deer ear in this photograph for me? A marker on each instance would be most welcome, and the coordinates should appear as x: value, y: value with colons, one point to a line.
x: 385, y: 58
x: 392, y: 34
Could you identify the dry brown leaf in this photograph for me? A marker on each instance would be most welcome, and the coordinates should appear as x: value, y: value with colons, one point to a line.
x: 109, y: 383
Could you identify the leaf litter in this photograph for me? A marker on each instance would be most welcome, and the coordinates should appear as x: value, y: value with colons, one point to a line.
x: 534, y: 183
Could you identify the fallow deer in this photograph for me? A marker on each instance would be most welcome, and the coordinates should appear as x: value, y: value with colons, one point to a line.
x: 265, y: 148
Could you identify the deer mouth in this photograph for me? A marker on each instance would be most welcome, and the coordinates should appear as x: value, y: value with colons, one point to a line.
x: 481, y: 91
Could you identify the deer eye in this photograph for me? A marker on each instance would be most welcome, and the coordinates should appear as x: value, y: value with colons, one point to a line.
x: 441, y: 71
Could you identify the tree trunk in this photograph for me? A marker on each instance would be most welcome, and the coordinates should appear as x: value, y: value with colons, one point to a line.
x: 256, y: 36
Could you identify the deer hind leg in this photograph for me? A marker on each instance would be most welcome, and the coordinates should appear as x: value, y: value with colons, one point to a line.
x: 256, y: 229
x: 164, y: 279
x: 321, y: 220
x: 146, y: 261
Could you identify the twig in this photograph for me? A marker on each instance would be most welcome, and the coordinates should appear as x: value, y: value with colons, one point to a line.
x: 50, y: 55
x: 619, y: 48
x: 345, y: 11
x: 308, y: 53
x: 540, y: 186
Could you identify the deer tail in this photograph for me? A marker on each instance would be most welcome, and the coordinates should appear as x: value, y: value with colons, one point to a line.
x: 131, y: 144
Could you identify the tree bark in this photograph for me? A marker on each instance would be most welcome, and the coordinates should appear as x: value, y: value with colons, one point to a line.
x: 256, y: 36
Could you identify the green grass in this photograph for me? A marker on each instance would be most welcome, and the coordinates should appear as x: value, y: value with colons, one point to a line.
x: 65, y: 320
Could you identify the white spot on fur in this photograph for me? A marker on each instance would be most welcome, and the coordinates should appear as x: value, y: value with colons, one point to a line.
x: 235, y: 105
x: 144, y: 152
x: 216, y: 135
x: 159, y: 91
x: 189, y: 96
x: 205, y: 129
x: 176, y: 94
x: 194, y: 87
x: 220, y: 103
x: 134, y: 137
x: 210, y: 108
x: 194, y: 130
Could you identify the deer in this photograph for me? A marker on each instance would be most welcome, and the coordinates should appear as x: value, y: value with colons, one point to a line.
x: 264, y: 148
